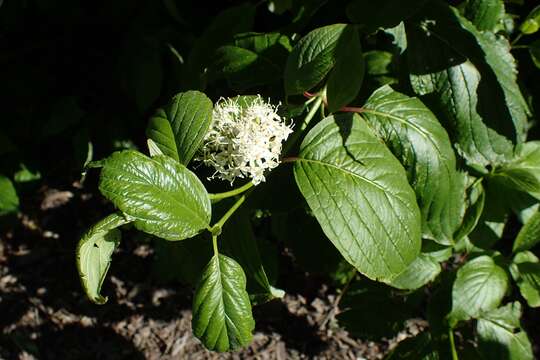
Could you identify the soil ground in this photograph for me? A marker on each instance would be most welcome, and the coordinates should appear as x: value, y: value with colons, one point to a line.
x: 45, y: 315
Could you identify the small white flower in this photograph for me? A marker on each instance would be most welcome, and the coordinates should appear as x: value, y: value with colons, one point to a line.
x: 244, y: 141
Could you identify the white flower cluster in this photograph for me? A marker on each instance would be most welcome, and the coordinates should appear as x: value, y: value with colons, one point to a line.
x: 244, y: 141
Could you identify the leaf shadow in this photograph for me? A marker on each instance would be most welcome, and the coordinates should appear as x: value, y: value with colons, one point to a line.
x: 73, y: 341
x: 345, y: 123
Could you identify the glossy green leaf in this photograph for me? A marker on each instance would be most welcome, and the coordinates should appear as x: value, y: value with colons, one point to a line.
x: 529, y: 235
x: 418, y: 140
x: 469, y: 77
x: 359, y: 193
x: 480, y: 286
x: 222, y: 317
x: 312, y: 58
x: 9, y: 201
x: 525, y: 270
x: 160, y: 195
x: 501, y: 336
x: 178, y: 128
x: 485, y: 14
x: 421, y: 271
x: 345, y: 80
x: 94, y: 254
x: 372, y: 15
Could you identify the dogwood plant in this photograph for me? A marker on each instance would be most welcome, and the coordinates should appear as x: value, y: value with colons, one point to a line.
x: 412, y: 191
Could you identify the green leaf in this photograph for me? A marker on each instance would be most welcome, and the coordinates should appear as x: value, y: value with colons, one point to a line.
x: 373, y: 15
x: 345, y: 80
x: 239, y: 243
x: 419, y: 347
x: 469, y: 77
x: 380, y: 70
x: 400, y: 37
x: 501, y: 336
x: 475, y: 200
x: 312, y: 58
x: 153, y: 148
x: 221, y: 30
x: 523, y: 205
x: 436, y: 251
x: 378, y: 62
x: 418, y: 140
x: 531, y: 24
x: 485, y: 14
x: 161, y: 196
x: 480, y: 286
x: 178, y: 128
x: 525, y: 270
x: 9, y: 201
x: 252, y: 59
x: 275, y: 46
x: 222, y: 317
x: 492, y: 222
x: 529, y: 235
x: 359, y: 193
x: 421, y: 271
x: 94, y: 254
x: 523, y: 172
x: 26, y: 175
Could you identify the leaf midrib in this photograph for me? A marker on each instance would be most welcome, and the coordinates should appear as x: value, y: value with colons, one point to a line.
x: 322, y: 163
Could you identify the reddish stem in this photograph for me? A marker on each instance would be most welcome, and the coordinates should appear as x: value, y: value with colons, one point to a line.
x: 352, y: 109
x: 308, y: 94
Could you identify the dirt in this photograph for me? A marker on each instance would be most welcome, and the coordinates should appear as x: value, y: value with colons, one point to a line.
x: 45, y: 315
